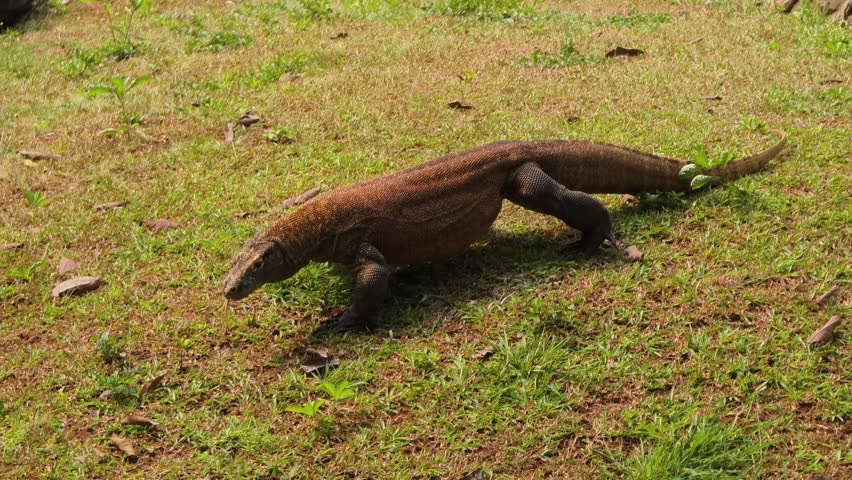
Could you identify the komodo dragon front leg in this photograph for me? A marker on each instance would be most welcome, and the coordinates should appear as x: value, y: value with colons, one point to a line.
x: 531, y: 188
x: 371, y: 284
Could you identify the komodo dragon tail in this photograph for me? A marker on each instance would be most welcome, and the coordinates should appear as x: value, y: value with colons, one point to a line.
x: 601, y: 168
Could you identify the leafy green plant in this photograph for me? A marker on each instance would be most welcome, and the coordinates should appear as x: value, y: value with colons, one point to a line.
x: 280, y: 135
x: 337, y: 391
x: 118, y: 89
x: 35, y: 199
x: 124, y: 45
x: 752, y: 124
x: 26, y: 273
x: 109, y: 350
x: 317, y: 9
x: 699, y: 172
x: 309, y: 409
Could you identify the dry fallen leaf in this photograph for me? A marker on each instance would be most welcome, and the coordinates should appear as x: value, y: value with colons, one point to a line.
x: 459, y: 106
x: 248, y: 119
x: 474, y: 475
x: 318, y: 361
x: 632, y: 254
x: 623, y: 52
x: 823, y: 299
x: 302, y: 198
x: 627, y: 198
x: 66, y: 265
x: 160, y: 224
x: 138, y: 420
x: 154, y: 384
x: 40, y: 156
x: 290, y: 78
x: 484, y: 354
x: 229, y: 132
x: 125, y: 445
x: 76, y: 286
x: 340, y: 36
x: 829, y: 81
x: 826, y: 332
x: 11, y: 246
x: 713, y: 97
x: 110, y: 205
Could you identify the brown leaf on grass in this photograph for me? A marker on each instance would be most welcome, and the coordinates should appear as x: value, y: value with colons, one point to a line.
x: 459, y: 106
x: 154, y: 384
x: 76, y: 286
x: 624, y: 52
x: 249, y: 214
x: 290, y: 78
x: 40, y: 156
x: 110, y: 205
x: 484, y: 354
x: 830, y: 81
x: 138, y: 420
x: 318, y: 361
x: 160, y: 224
x: 11, y: 246
x: 823, y: 299
x: 340, y: 36
x: 248, y: 119
x: 125, y: 445
x: 826, y: 332
x: 66, y: 265
x: 633, y: 254
x: 302, y: 198
x: 713, y: 97
x: 229, y: 132
x: 478, y: 474
x: 627, y: 198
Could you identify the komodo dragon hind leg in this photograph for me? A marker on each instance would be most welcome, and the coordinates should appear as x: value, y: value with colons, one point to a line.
x: 531, y: 188
x: 371, y: 284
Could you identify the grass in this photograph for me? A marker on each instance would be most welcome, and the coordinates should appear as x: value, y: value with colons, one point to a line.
x: 690, y: 364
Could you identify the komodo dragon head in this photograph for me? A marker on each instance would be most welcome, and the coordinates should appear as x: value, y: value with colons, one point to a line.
x: 260, y: 261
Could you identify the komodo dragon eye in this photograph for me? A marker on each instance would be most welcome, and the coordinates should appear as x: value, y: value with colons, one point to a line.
x: 257, y: 263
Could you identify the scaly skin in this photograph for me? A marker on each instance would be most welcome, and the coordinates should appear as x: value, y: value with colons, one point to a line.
x: 438, y: 208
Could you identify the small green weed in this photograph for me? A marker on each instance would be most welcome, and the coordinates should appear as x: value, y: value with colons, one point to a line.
x: 309, y: 409
x: 752, y: 124
x: 118, y: 89
x: 109, y: 350
x: 699, y: 171
x: 35, y: 199
x: 280, y: 135
x: 124, y: 45
x: 839, y: 45
x: 337, y: 391
x: 26, y: 273
x: 317, y: 9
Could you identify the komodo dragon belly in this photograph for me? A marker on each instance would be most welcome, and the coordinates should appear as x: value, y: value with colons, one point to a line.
x: 405, y: 243
x: 422, y: 231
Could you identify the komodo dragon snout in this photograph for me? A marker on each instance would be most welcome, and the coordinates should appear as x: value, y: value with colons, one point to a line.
x: 258, y: 263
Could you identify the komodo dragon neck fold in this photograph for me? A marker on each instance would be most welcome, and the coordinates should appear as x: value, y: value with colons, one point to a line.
x: 438, y: 208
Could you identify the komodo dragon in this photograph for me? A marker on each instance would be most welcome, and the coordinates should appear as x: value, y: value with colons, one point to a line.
x: 438, y: 208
